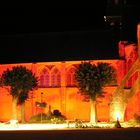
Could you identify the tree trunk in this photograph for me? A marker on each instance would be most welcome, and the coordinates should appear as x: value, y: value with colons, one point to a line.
x: 14, y: 108
x: 92, y: 111
x: 23, y: 112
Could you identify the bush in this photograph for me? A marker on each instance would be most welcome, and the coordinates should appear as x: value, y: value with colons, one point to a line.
x: 55, y: 117
x: 38, y: 118
x: 57, y: 120
x: 56, y: 113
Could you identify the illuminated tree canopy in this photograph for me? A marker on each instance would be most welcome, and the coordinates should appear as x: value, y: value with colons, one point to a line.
x: 21, y: 81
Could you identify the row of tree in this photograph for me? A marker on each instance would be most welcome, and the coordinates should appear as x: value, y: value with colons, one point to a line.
x: 90, y: 79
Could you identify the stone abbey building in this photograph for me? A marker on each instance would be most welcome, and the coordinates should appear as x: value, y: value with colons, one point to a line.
x: 56, y: 87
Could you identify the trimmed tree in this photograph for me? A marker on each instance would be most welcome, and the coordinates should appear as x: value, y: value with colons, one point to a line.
x: 90, y: 79
x: 21, y: 81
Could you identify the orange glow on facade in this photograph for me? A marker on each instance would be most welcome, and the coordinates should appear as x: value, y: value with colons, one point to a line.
x: 57, y: 84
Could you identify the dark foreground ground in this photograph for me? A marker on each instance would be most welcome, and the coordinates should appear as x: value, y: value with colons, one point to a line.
x: 73, y: 134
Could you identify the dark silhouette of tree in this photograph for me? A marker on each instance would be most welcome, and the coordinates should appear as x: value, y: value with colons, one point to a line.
x: 90, y: 79
x: 21, y: 81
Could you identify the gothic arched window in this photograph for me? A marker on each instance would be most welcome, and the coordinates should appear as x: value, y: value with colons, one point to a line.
x: 55, y: 78
x: 44, y: 78
x: 41, y: 80
x: 70, y: 81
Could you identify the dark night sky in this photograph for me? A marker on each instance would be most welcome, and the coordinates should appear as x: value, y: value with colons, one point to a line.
x: 34, y: 35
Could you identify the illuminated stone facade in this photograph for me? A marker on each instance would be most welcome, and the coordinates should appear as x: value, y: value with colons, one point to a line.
x: 56, y: 83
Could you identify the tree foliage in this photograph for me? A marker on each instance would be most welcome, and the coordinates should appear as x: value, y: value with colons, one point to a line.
x: 21, y: 81
x: 91, y: 78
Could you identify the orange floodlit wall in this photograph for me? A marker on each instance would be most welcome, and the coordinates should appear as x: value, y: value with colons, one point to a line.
x: 57, y: 88
x: 133, y: 107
